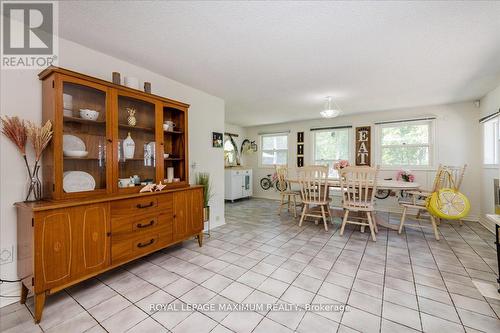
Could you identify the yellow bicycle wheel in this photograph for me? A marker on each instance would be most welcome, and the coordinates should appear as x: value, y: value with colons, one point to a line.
x: 448, y: 204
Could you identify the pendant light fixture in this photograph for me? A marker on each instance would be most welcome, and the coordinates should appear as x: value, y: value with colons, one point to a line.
x: 331, y: 110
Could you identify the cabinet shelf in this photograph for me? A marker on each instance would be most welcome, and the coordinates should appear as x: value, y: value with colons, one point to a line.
x: 136, y: 128
x: 83, y: 158
x: 131, y: 159
x: 174, y: 159
x: 173, y: 132
x: 84, y: 121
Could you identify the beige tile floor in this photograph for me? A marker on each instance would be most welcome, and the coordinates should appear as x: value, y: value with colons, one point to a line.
x: 401, y: 283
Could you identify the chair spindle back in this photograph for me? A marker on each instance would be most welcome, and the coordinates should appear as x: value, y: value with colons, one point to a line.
x: 313, y: 181
x: 358, y: 185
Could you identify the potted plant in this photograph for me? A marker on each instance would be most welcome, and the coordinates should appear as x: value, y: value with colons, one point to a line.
x: 203, y: 179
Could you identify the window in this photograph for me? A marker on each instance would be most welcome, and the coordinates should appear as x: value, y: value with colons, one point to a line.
x: 490, y: 141
x: 406, y: 144
x: 330, y: 146
x: 274, y: 149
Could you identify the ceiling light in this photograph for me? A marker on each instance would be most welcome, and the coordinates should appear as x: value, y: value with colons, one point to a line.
x: 330, y: 111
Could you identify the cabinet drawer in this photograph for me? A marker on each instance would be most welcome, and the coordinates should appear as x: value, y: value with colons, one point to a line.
x: 134, y: 206
x: 133, y: 247
x: 166, y: 202
x: 129, y: 226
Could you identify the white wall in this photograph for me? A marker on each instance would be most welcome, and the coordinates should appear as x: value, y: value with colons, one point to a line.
x: 489, y: 104
x: 457, y: 142
x: 21, y: 96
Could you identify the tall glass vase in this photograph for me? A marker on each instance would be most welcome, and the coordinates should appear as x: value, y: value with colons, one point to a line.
x: 34, y: 185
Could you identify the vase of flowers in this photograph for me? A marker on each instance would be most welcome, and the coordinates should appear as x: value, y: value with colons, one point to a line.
x: 341, y: 164
x: 20, y: 132
x: 406, y: 176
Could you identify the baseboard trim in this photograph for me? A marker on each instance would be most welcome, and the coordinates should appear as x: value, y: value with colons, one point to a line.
x: 216, y: 224
x: 9, y: 289
x: 487, y: 224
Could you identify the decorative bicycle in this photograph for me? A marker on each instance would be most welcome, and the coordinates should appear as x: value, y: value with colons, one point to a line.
x: 271, y: 180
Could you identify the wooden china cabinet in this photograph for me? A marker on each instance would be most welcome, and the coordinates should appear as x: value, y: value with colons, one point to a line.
x: 93, y: 218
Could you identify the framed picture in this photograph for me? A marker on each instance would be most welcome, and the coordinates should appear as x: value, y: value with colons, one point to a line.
x: 217, y: 140
x: 300, y: 162
x: 300, y: 137
x: 300, y: 150
x: 363, y: 146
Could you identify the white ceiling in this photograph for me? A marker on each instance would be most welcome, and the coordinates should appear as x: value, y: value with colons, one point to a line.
x: 276, y: 61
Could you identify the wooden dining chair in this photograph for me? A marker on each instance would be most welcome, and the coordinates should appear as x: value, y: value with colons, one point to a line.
x: 417, y: 199
x: 358, y: 186
x: 313, y: 181
x: 288, y: 196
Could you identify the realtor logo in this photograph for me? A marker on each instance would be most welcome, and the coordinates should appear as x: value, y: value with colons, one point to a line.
x: 28, y: 34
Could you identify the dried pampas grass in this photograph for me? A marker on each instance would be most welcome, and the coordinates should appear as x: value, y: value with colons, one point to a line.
x: 39, y: 137
x: 15, y: 130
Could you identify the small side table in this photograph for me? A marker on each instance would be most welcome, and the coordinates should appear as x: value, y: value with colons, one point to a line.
x: 496, y: 219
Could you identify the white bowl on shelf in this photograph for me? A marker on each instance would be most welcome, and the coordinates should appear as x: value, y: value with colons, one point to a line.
x: 89, y: 114
x: 166, y: 155
x: 75, y: 153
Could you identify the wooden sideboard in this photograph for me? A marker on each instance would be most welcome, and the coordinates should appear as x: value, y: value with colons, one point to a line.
x: 63, y: 243
x: 80, y: 232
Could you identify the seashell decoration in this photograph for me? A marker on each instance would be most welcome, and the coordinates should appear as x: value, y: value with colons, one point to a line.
x: 153, y: 188
x: 131, y: 116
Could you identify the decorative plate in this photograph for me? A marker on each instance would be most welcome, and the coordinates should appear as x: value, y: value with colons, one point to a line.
x: 78, y: 181
x: 75, y: 153
x: 72, y: 143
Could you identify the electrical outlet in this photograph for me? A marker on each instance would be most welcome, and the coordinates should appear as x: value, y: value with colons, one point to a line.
x: 7, y: 255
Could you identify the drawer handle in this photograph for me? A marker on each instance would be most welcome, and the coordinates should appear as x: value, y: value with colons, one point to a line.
x: 145, y: 206
x: 151, y: 241
x: 150, y: 224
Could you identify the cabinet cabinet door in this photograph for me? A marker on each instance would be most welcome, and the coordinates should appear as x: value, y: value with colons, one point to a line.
x: 137, y: 140
x: 195, y: 211
x: 81, y: 148
x: 180, y: 226
x: 91, y: 239
x: 236, y: 185
x: 70, y: 243
x: 53, y: 248
x: 188, y: 213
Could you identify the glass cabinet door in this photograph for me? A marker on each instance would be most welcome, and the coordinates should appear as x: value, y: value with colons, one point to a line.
x: 136, y: 151
x: 174, y: 145
x: 84, y: 140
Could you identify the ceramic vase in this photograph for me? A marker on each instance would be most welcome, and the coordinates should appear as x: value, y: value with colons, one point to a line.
x: 128, y: 147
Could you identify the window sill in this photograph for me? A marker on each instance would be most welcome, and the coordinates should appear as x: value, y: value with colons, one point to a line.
x: 491, y: 166
x: 429, y: 168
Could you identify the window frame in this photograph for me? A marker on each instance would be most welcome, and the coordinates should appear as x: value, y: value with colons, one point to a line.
x: 431, y: 145
x: 261, y: 142
x: 496, y: 143
x: 350, y: 146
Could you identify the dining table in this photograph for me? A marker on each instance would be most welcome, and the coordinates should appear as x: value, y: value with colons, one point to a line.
x: 382, y: 184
